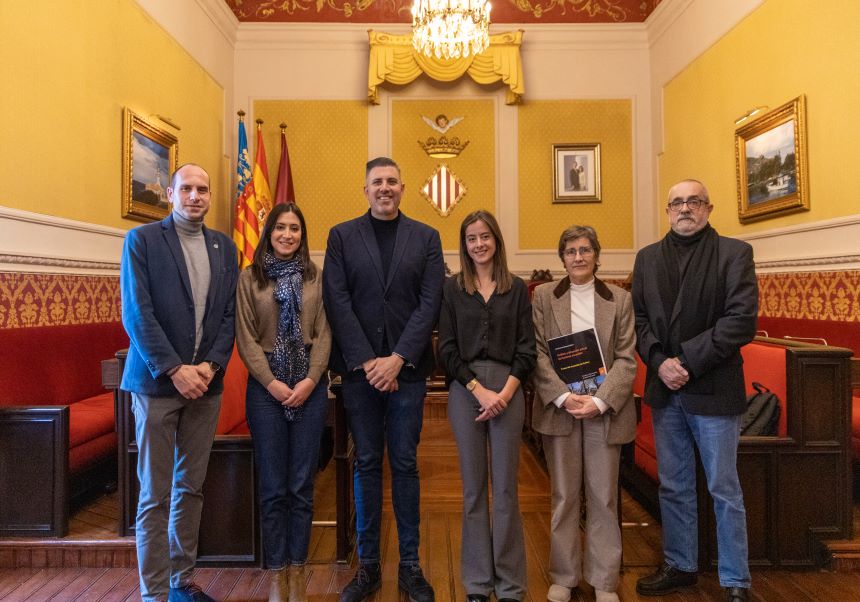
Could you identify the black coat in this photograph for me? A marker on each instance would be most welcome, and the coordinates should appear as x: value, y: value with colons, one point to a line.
x: 716, y: 385
x: 362, y: 306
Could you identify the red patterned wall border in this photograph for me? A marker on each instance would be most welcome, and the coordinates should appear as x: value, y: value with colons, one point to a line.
x: 831, y: 296
x: 57, y: 299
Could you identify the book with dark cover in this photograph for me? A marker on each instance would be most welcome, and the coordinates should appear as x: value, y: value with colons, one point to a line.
x: 578, y: 360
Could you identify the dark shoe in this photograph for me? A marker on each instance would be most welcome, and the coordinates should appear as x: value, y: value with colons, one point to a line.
x: 188, y: 593
x: 737, y: 594
x: 368, y: 579
x: 411, y: 580
x: 664, y: 580
x: 477, y: 598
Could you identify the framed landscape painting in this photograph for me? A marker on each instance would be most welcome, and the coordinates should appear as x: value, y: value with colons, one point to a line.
x: 770, y: 156
x: 149, y: 156
x: 576, y: 173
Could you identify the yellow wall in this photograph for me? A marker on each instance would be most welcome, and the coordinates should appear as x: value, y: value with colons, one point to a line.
x: 783, y: 49
x: 327, y: 141
x: 67, y: 70
x: 544, y: 123
x: 475, y: 166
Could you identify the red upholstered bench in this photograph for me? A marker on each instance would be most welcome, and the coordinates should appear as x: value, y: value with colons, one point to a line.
x: 810, y: 451
x: 840, y: 333
x: 56, y: 422
x: 231, y: 421
x: 763, y: 363
x: 855, y: 405
x: 855, y: 425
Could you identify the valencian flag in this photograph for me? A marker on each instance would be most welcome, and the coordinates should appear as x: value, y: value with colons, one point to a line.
x: 246, y: 227
x: 284, y: 191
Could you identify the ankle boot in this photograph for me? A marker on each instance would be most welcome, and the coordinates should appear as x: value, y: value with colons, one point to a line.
x: 298, y: 583
x: 279, y: 591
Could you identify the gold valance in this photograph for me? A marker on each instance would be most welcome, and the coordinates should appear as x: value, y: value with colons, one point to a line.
x: 393, y: 59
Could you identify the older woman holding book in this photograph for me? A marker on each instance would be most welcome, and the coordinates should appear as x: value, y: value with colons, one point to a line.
x: 583, y: 433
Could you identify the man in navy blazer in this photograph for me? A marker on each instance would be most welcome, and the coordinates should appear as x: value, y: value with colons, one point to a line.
x: 695, y: 298
x: 178, y: 283
x: 382, y: 288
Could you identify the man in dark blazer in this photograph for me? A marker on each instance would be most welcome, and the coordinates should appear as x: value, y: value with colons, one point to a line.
x: 695, y: 298
x: 382, y: 288
x: 178, y: 283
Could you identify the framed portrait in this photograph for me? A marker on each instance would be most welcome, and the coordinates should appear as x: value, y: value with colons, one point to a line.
x: 576, y: 173
x: 770, y: 158
x: 149, y: 155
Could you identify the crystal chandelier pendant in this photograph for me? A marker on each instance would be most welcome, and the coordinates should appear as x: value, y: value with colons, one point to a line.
x: 450, y: 29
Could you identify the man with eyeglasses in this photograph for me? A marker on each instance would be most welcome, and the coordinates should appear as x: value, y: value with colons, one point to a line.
x: 696, y: 299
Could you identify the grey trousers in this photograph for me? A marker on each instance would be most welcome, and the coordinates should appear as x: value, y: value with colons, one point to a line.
x: 492, y: 550
x: 174, y: 438
x: 583, y: 460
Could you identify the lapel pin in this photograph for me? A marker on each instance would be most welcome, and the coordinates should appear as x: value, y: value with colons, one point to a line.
x: 215, y: 245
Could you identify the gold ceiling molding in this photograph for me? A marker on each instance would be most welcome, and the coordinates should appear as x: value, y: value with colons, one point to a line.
x: 393, y: 59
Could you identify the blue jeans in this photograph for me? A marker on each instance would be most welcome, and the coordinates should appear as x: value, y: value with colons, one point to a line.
x: 675, y: 433
x: 287, y: 456
x: 375, y: 420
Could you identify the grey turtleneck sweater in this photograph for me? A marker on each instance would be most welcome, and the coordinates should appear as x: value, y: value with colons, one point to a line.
x: 197, y: 261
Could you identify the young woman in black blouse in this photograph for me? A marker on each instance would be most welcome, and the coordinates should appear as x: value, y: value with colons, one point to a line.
x: 486, y: 340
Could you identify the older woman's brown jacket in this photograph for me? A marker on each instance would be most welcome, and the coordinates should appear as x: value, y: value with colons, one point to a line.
x: 614, y: 322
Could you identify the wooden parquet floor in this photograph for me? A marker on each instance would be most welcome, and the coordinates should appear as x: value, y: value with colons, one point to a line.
x: 440, y: 550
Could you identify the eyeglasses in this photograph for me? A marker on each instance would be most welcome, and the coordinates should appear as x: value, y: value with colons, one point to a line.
x: 693, y: 204
x: 583, y: 251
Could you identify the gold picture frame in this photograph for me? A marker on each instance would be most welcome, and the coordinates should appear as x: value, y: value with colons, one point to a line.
x: 771, y: 163
x: 149, y: 155
x: 576, y: 173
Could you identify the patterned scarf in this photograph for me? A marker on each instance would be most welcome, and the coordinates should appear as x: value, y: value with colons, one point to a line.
x: 289, y: 358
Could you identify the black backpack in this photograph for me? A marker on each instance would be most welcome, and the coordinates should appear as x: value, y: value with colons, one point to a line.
x: 762, y: 415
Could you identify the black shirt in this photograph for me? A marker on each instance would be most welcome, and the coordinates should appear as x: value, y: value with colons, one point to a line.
x: 500, y: 329
x: 386, y: 236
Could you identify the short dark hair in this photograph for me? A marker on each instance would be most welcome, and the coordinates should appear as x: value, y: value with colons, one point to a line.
x: 176, y: 171
x: 265, y: 245
x: 380, y: 162
x: 572, y: 233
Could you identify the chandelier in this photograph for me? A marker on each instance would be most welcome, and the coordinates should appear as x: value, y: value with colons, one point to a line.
x: 450, y: 29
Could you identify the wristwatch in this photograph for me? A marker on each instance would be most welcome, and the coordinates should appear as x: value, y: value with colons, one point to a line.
x: 470, y: 386
x: 214, y: 367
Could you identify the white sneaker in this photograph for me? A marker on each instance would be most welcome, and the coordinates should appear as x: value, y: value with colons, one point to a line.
x: 602, y: 596
x: 558, y: 593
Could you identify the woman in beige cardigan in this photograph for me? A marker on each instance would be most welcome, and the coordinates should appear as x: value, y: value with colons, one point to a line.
x: 284, y: 339
x: 582, y: 434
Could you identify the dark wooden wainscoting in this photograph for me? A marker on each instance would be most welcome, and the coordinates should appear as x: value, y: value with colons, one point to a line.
x: 34, y: 468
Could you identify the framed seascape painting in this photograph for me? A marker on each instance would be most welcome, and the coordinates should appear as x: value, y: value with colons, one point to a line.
x: 770, y: 157
x: 576, y: 173
x: 149, y: 156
